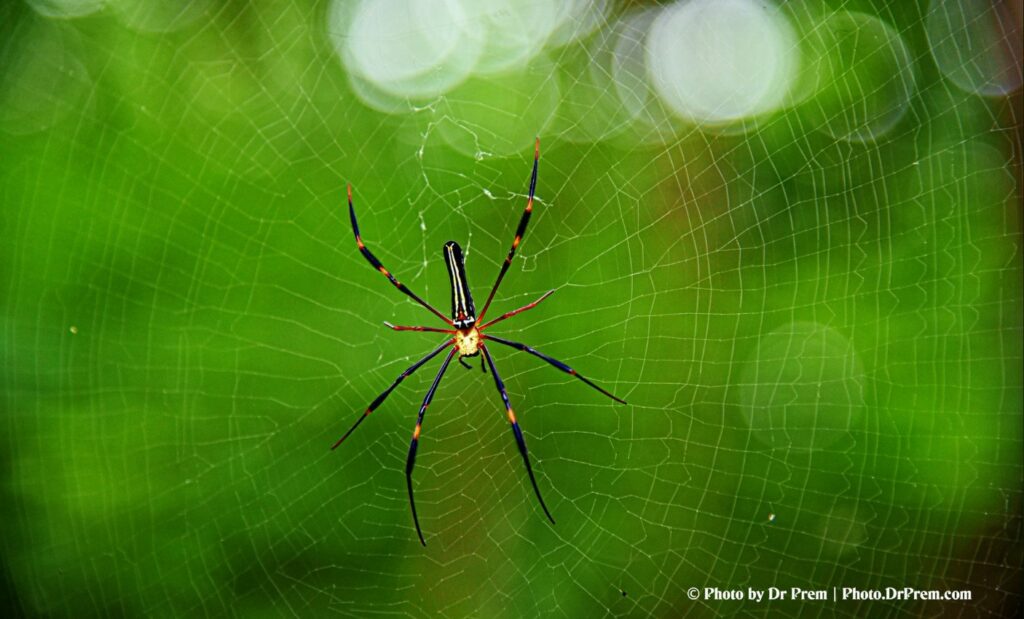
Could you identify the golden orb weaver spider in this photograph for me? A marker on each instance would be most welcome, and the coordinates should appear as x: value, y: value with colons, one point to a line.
x: 467, y: 339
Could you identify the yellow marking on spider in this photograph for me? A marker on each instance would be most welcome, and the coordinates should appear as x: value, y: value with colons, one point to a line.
x: 467, y: 342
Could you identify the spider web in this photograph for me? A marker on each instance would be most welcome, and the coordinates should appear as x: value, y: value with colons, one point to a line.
x: 810, y: 295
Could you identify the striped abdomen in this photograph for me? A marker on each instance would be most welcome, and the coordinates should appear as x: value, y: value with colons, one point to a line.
x: 463, y: 312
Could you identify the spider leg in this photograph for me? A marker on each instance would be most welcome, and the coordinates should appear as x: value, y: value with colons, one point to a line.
x: 520, y: 441
x: 514, y: 312
x: 462, y: 362
x: 383, y: 396
x: 555, y: 362
x: 411, y: 460
x: 520, y: 231
x: 417, y: 328
x: 375, y: 263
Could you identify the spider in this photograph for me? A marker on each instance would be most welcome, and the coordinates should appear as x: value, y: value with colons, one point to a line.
x: 466, y: 339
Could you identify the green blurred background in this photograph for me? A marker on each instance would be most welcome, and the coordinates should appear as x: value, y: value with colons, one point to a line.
x: 812, y: 304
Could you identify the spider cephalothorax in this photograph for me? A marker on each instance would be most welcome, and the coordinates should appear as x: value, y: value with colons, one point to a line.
x: 464, y: 338
x: 467, y: 342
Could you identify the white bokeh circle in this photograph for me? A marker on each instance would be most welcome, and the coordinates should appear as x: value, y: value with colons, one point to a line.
x: 718, y: 61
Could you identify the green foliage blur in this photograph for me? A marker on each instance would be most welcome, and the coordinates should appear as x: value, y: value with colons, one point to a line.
x: 819, y: 339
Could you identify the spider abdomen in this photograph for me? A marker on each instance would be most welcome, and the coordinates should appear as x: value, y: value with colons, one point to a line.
x: 463, y: 312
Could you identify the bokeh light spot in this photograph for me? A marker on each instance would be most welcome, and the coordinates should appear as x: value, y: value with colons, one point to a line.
x: 147, y: 16
x: 843, y: 530
x: 511, y: 31
x: 42, y: 81
x: 590, y: 109
x: 977, y: 44
x: 864, y: 76
x: 580, y: 18
x: 652, y: 121
x: 716, y: 61
x: 501, y: 115
x: 64, y: 9
x: 803, y: 388
x: 411, y: 49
